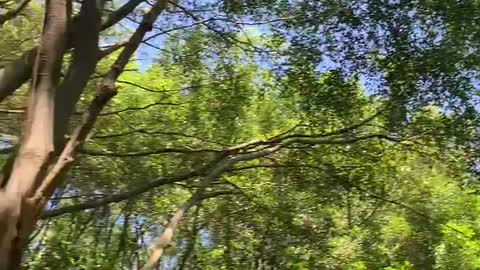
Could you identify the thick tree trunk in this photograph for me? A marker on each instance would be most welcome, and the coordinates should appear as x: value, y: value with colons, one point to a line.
x: 37, y: 142
x: 9, y: 213
x: 31, y: 183
x: 86, y: 30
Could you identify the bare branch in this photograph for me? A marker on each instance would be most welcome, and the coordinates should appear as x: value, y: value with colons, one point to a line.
x: 144, y: 131
x: 225, y: 160
x: 140, y: 108
x: 131, y: 193
x: 163, y: 32
x: 147, y: 153
x: 121, y: 13
x: 14, y: 111
x: 110, y: 49
x: 153, y: 90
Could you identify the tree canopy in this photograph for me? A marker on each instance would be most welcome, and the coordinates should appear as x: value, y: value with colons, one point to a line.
x: 225, y: 134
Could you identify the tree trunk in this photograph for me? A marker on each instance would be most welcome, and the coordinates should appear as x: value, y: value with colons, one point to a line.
x: 86, y: 30
x: 9, y: 214
x: 37, y: 142
x: 31, y: 182
x: 15, y: 74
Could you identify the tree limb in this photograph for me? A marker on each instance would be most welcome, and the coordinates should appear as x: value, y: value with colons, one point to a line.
x: 140, y: 108
x: 105, y: 92
x: 165, y: 239
x: 234, y: 155
x: 147, y: 153
x: 37, y: 144
x: 121, y: 13
x: 15, y: 74
x: 11, y: 14
x: 86, y: 30
x: 122, y: 196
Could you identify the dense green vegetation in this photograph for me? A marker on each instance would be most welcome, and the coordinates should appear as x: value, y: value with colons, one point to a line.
x: 310, y: 135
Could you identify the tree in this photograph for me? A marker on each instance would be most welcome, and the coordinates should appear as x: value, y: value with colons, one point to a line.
x: 234, y: 86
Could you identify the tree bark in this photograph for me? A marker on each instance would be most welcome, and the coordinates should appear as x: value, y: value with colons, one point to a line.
x: 31, y: 184
x: 15, y: 74
x: 86, y: 30
x: 192, y: 242
x: 105, y: 92
x: 9, y: 213
x: 165, y: 240
x: 37, y: 141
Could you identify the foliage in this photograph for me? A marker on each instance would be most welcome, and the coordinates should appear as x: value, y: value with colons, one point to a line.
x: 332, y: 70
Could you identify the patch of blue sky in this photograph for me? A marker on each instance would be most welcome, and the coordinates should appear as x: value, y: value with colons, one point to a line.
x: 422, y: 34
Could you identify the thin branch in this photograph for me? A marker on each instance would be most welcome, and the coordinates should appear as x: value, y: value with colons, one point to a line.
x: 221, y: 164
x: 14, y: 111
x: 373, y: 195
x: 313, y: 140
x: 145, y: 88
x: 147, y: 153
x: 119, y: 197
x: 228, y: 39
x: 121, y: 13
x: 132, y: 192
x: 285, y: 135
x: 409, y: 208
x: 163, y: 32
x: 141, y: 108
x: 111, y: 49
x: 337, y: 131
x: 144, y: 131
x: 93, y: 195
x: 11, y: 14
x: 282, y: 19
